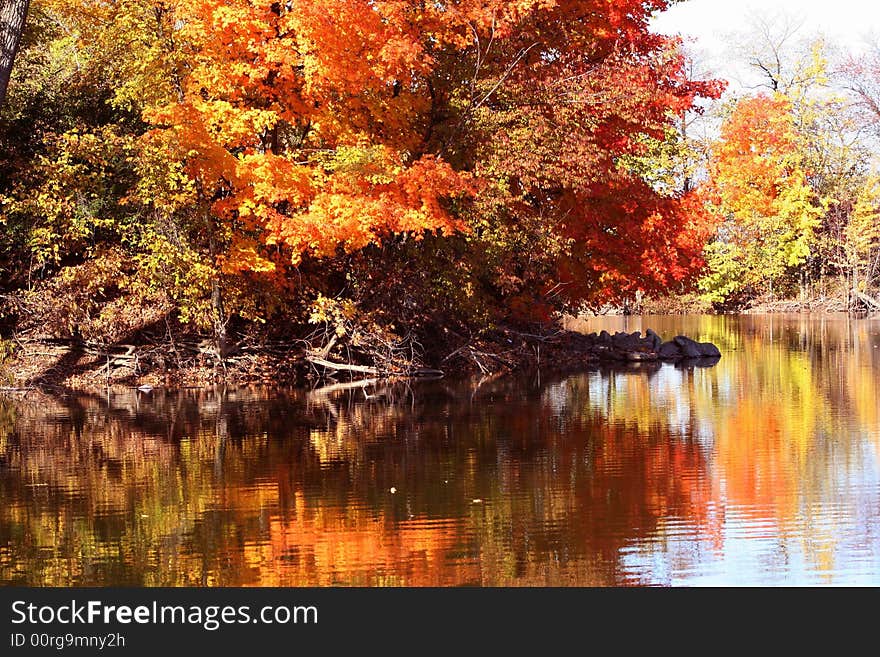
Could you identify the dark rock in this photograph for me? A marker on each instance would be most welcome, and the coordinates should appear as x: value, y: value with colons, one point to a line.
x: 693, y: 349
x: 689, y: 348
x: 709, y: 350
x: 634, y: 348
x: 582, y: 340
x: 669, y: 351
x: 630, y: 355
x: 628, y: 341
x: 654, y: 339
x: 611, y: 353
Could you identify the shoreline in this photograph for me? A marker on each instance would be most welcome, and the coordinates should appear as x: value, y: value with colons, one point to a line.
x: 189, y: 360
x: 55, y: 365
x: 64, y: 365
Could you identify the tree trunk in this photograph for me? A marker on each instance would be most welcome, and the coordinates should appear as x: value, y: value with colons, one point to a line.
x: 220, y: 319
x: 12, y: 16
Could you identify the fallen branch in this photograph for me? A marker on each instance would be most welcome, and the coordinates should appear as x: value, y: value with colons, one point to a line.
x: 341, y: 367
x: 426, y: 372
x: 457, y: 351
x: 338, y: 387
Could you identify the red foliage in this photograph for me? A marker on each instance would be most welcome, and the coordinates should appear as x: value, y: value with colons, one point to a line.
x: 310, y: 126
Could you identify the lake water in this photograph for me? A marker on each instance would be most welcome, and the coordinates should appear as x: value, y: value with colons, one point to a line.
x: 761, y: 470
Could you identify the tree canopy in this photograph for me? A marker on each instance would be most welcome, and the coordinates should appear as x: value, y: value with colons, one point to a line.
x: 244, y: 158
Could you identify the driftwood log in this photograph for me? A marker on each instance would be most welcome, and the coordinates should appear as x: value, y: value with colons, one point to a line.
x: 332, y: 366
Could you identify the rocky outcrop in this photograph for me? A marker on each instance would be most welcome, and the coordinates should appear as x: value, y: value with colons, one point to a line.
x: 669, y: 351
x: 655, y: 340
x: 633, y: 347
x: 688, y: 348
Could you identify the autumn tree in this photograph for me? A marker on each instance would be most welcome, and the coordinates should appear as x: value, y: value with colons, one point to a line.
x: 558, y: 149
x: 859, y: 240
x: 761, y: 189
x: 860, y: 75
x: 12, y: 17
x: 783, y: 60
x: 71, y: 237
x: 467, y: 160
x: 806, y: 137
x: 297, y: 152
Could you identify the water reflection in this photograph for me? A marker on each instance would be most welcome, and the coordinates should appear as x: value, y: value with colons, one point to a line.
x: 760, y: 470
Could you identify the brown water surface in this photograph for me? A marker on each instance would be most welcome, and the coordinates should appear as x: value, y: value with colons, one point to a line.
x: 764, y: 469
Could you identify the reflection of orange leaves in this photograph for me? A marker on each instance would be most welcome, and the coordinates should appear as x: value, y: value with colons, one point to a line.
x: 325, y: 548
x: 758, y: 463
x: 641, y: 480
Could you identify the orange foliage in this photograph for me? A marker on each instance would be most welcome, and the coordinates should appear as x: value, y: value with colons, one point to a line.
x: 310, y: 126
x: 754, y: 155
x: 295, y: 142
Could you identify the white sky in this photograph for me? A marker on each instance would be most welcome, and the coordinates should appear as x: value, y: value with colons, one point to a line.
x: 709, y: 24
x: 707, y: 20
